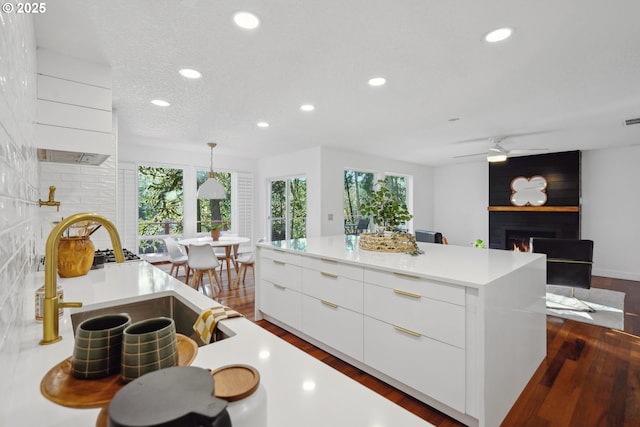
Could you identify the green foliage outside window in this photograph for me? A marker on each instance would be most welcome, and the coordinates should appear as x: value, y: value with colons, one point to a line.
x: 358, y: 187
x: 160, y: 205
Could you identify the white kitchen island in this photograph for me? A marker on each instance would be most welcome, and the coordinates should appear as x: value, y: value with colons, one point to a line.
x: 460, y: 328
x: 301, y: 391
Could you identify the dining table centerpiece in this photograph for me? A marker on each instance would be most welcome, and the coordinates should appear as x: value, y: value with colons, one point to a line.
x: 216, y: 229
x: 388, y: 214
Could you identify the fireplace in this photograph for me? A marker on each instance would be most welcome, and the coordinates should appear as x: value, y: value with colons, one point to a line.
x: 512, y: 225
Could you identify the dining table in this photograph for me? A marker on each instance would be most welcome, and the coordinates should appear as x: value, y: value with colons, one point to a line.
x: 228, y: 242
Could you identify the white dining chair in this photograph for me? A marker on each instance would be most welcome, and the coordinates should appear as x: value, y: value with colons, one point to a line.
x: 177, y: 257
x: 245, y: 261
x: 201, y: 259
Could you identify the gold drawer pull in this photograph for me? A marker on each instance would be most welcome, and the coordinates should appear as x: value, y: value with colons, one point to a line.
x: 278, y: 262
x: 330, y: 304
x: 280, y: 286
x: 405, y: 293
x: 406, y: 331
x: 333, y: 276
x: 332, y: 261
x: 407, y: 276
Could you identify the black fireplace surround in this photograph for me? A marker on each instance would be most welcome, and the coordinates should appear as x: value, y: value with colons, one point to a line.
x: 511, y: 227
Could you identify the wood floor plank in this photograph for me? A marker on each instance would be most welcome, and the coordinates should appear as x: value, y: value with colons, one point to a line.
x: 590, y: 377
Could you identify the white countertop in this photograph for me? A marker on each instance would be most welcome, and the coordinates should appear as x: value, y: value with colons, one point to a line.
x: 286, y: 372
x: 463, y: 265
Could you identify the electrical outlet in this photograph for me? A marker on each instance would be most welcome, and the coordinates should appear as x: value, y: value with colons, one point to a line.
x: 330, y: 217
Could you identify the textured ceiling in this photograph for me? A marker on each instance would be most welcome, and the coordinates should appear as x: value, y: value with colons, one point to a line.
x: 565, y: 80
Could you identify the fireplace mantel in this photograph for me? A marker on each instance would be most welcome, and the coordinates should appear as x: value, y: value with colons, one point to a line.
x: 533, y: 208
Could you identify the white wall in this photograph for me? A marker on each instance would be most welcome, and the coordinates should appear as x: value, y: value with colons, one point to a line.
x: 460, y: 200
x: 611, y: 210
x: 18, y: 191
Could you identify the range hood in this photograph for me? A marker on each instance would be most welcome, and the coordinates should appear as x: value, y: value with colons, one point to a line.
x: 73, y: 157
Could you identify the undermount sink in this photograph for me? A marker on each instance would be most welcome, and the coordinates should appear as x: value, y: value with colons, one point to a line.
x: 164, y: 306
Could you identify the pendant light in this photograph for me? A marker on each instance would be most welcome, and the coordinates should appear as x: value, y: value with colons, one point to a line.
x: 211, y: 188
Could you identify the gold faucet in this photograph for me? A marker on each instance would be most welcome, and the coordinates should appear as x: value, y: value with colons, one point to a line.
x: 51, y: 303
x: 51, y: 201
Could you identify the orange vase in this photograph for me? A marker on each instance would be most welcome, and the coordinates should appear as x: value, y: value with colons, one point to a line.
x: 75, y: 256
x: 215, y: 234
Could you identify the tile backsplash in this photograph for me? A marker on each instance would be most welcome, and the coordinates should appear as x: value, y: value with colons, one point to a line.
x: 19, y: 181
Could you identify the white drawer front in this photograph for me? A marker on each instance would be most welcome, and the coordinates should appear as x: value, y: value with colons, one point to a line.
x: 333, y: 325
x: 432, y: 318
x: 281, y: 273
x: 281, y: 303
x: 434, y: 368
x: 337, y: 289
x: 410, y: 283
x: 281, y: 256
x: 333, y: 267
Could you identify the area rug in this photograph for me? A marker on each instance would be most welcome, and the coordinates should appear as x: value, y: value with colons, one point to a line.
x: 608, y: 305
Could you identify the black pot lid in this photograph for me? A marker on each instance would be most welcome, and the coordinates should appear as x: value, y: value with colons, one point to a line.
x: 177, y: 396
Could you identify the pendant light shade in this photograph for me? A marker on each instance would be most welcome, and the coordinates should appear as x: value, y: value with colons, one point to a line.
x: 211, y: 188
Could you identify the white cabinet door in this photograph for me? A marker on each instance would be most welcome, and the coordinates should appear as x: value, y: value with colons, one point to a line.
x: 282, y: 303
x: 281, y: 273
x: 429, y: 366
x: 331, y: 287
x: 436, y: 319
x: 333, y: 325
x: 419, y: 285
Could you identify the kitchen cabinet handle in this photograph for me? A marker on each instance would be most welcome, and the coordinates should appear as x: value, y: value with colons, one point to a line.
x: 407, y: 331
x: 280, y: 287
x: 330, y: 304
x: 405, y: 293
x: 333, y: 276
x: 406, y: 276
x: 332, y: 261
x: 278, y: 262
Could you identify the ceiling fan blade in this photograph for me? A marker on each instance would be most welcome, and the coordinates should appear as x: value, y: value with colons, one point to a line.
x: 528, y: 150
x: 470, y: 155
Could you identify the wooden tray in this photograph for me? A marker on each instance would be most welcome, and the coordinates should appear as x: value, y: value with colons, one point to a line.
x: 235, y: 382
x: 59, y: 386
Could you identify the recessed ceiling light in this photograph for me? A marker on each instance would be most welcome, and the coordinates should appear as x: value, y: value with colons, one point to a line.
x: 262, y: 124
x: 246, y: 20
x: 307, y: 107
x: 160, y: 103
x: 498, y: 35
x: 377, y: 81
x: 190, y: 74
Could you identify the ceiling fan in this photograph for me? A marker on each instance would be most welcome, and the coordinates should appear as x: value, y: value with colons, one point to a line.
x: 497, y: 153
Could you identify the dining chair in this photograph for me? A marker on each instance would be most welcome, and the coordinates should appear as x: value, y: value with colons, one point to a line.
x: 177, y: 257
x: 203, y: 259
x: 248, y: 260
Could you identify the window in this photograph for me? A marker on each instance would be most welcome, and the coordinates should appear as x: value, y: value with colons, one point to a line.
x: 397, y: 185
x: 210, y: 212
x: 358, y: 186
x: 160, y: 206
x: 288, y: 211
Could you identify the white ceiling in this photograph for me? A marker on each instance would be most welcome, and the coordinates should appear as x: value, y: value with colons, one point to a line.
x: 566, y: 80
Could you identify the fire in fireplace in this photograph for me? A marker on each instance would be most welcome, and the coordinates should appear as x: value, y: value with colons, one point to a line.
x: 520, y: 240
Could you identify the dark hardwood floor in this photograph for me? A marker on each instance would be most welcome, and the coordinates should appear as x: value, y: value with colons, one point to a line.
x: 590, y: 377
